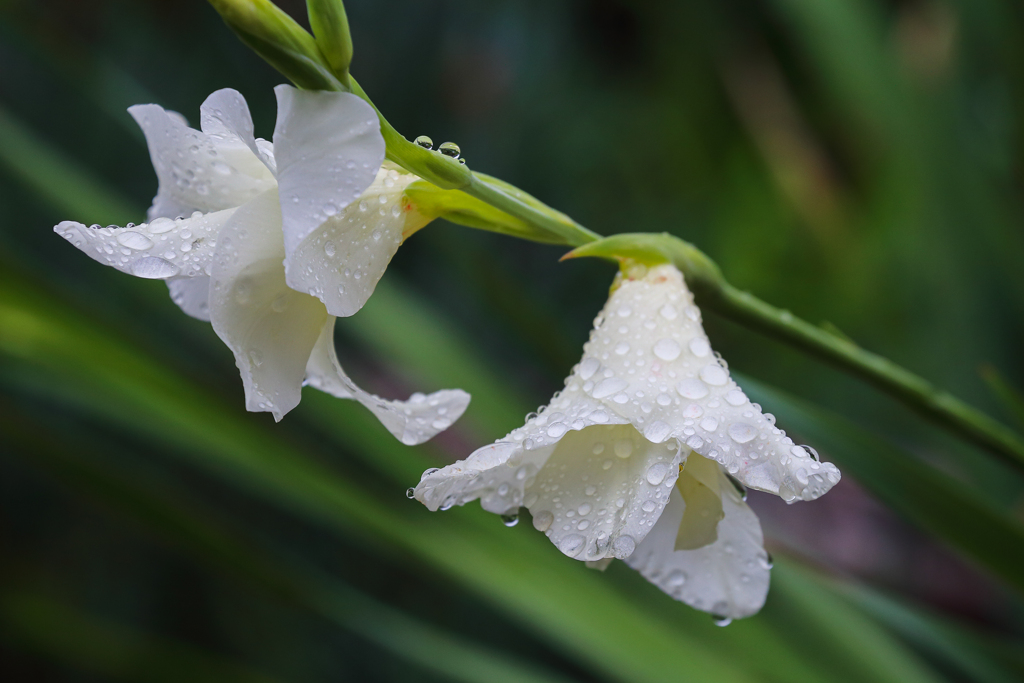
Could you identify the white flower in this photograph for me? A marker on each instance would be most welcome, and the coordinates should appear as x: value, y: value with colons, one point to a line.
x: 633, y: 459
x: 270, y: 242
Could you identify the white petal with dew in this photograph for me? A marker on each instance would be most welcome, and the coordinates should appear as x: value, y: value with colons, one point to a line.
x: 329, y: 148
x: 649, y: 361
x: 269, y: 327
x: 162, y: 249
x: 728, y: 578
x: 342, y: 260
x: 225, y: 119
x: 413, y: 421
x: 192, y: 173
x: 595, y: 492
x: 192, y: 294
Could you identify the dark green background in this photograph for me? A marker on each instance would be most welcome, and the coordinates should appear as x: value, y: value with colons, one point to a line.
x: 854, y: 161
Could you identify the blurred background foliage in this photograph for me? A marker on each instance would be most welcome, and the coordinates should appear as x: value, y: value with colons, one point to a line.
x: 858, y: 162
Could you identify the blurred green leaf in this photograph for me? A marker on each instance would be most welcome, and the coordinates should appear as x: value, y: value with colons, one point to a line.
x: 933, y: 500
x: 114, y: 651
x: 198, y: 532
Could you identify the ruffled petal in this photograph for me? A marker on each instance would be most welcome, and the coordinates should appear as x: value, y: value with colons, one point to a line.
x: 269, y: 327
x: 728, y: 578
x: 161, y: 249
x: 595, y: 492
x: 649, y: 362
x: 225, y: 119
x: 192, y: 172
x: 412, y: 422
x: 192, y: 294
x: 342, y: 260
x: 329, y: 148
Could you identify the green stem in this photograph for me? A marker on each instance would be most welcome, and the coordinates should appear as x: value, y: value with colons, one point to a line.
x: 571, y: 233
x: 914, y: 391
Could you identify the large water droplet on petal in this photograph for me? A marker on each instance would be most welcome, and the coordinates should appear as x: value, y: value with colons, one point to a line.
x: 542, y: 520
x: 424, y: 142
x: 134, y: 240
x: 153, y: 268
x: 714, y: 375
x: 623, y: 547
x: 741, y: 432
x: 572, y: 544
x: 656, y: 473
x: 667, y: 349
x: 692, y: 388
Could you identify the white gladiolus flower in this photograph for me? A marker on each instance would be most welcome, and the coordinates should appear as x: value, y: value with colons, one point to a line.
x: 270, y: 242
x: 635, y: 458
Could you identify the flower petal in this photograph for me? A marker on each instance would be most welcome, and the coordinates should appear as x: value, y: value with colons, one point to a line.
x: 728, y: 578
x: 595, y: 492
x: 192, y: 294
x: 192, y: 172
x: 225, y: 119
x: 342, y: 260
x: 648, y: 361
x: 161, y: 249
x: 329, y: 148
x: 269, y: 327
x: 412, y: 422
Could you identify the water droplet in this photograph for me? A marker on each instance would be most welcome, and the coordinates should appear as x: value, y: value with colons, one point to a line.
x: 424, y: 142
x: 510, y: 519
x: 657, y: 431
x: 159, y: 226
x: 735, y: 398
x: 330, y: 249
x: 622, y: 348
x: 221, y: 168
x: 656, y: 473
x: 667, y: 349
x: 583, y: 509
x: 330, y: 209
x: 709, y: 424
x: 153, y: 268
x: 623, y: 547
x: 721, y: 621
x: 410, y: 492
x: 598, y: 448
x: 714, y: 375
x: 700, y: 347
x: 449, y: 149
x: 255, y: 357
x: 692, y: 388
x: 609, y: 386
x: 669, y: 312
x: 624, y: 448
x: 134, y: 240
x: 542, y: 520
x: 588, y: 367
x: 556, y: 430
x: 572, y: 544
x: 741, y: 432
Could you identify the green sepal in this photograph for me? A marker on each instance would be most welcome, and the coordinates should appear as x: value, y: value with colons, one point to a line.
x: 458, y: 207
x: 330, y: 29
x: 280, y: 41
x: 651, y: 249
